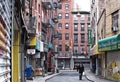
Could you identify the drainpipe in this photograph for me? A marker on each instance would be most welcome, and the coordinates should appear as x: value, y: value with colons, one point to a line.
x: 30, y: 11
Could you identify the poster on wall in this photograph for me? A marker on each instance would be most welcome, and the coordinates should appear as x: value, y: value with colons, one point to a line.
x: 113, y: 71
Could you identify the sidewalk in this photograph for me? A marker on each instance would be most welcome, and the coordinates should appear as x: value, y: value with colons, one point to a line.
x: 41, y: 78
x: 93, y: 78
x: 88, y: 74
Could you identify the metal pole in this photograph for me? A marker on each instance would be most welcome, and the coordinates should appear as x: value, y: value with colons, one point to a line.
x: 22, y: 67
x: 22, y: 56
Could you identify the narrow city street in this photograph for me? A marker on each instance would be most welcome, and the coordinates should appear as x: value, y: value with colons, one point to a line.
x: 55, y: 40
x: 69, y: 76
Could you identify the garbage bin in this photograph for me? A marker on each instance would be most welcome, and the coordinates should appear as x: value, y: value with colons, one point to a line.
x: 29, y: 72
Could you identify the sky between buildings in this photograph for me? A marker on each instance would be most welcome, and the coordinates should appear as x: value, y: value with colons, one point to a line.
x: 83, y: 4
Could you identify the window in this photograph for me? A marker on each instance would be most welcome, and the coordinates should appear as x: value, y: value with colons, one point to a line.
x: 36, y: 4
x: 60, y: 36
x: 59, y: 25
x: 115, y: 17
x: 75, y: 26
x: 75, y: 51
x: 66, y: 6
x: 82, y: 26
x: 66, y: 36
x: 88, y: 25
x: 82, y: 49
x: 39, y: 8
x: 60, y: 5
x: 66, y: 15
x: 75, y: 37
x: 66, y: 26
x: 93, y: 1
x: 82, y: 38
x: 66, y: 47
x: 38, y: 63
x: 82, y: 17
x: 38, y: 27
x: 60, y: 15
x: 60, y: 48
x: 88, y: 17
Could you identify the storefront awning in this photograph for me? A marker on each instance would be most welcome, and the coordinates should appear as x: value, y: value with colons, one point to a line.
x: 109, y: 43
x: 37, y: 47
x: 32, y: 41
x: 95, y: 50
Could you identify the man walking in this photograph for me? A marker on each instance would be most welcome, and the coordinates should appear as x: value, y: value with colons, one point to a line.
x: 80, y: 70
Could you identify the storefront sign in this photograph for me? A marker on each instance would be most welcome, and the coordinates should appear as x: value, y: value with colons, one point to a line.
x: 89, y: 36
x: 41, y: 46
x: 37, y: 47
x: 110, y: 43
x: 31, y: 51
x: 64, y: 55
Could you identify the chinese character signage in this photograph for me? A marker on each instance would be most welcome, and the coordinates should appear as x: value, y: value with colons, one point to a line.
x: 89, y: 36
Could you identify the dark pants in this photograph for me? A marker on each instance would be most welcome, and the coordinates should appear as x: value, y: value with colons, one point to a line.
x: 80, y: 76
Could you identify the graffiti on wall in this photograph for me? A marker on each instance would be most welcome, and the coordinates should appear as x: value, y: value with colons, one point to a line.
x: 113, y: 71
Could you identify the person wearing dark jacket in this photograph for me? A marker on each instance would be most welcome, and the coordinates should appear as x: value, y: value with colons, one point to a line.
x: 80, y: 70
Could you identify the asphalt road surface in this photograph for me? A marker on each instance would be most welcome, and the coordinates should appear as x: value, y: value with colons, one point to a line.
x: 68, y: 76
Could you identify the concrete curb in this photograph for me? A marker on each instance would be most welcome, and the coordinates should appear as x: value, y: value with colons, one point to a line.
x: 88, y: 78
x: 48, y: 77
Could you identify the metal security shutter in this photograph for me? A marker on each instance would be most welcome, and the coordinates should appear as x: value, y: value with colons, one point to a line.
x: 5, y: 26
x: 113, y: 56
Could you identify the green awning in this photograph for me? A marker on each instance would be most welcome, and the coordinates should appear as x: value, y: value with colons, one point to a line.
x: 109, y: 43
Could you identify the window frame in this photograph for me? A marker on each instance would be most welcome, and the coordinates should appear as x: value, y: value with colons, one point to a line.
x: 59, y: 25
x: 82, y: 49
x: 75, y: 28
x: 59, y: 15
x: 66, y: 6
x: 60, y: 47
x: 82, y: 38
x: 76, y: 38
x: 66, y: 34
x: 60, y: 36
x: 75, y: 48
x: 82, y: 28
x: 66, y: 15
x: 66, y: 25
x: 115, y: 19
x: 66, y: 47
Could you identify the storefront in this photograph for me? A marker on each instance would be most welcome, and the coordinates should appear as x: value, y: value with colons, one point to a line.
x: 63, y: 61
x: 40, y: 57
x: 37, y: 58
x: 5, y: 56
x: 31, y: 51
x: 97, y: 61
x: 111, y: 46
x: 5, y: 41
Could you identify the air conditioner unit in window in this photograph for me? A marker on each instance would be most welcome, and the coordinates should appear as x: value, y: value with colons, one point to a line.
x: 114, y: 29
